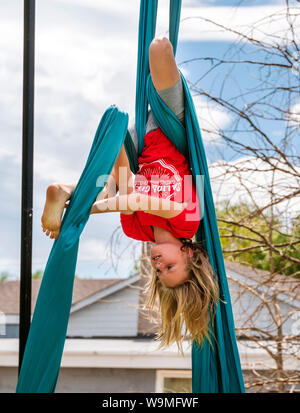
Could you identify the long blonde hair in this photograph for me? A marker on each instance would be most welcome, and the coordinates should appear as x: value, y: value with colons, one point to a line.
x: 184, y: 310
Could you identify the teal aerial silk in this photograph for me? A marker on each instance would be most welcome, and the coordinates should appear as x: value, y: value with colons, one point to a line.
x: 215, y: 365
x: 45, y: 343
x: 215, y: 368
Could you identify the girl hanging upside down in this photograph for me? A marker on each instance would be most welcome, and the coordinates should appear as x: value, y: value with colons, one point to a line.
x: 161, y: 206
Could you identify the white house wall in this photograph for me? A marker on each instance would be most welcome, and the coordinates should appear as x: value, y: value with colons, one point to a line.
x: 244, y: 304
x: 113, y: 316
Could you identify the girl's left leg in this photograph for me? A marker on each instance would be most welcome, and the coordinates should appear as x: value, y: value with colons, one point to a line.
x: 163, y: 67
x: 122, y: 173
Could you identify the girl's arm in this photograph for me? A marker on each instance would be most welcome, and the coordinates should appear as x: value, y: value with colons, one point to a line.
x: 128, y: 204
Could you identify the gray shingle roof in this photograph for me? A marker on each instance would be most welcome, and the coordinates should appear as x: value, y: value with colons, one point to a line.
x: 83, y: 288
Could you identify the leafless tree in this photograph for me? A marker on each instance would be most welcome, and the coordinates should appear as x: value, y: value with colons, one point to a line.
x: 257, y: 192
x: 263, y: 177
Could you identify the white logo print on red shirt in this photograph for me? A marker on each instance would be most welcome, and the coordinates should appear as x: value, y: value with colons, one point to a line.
x: 158, y: 177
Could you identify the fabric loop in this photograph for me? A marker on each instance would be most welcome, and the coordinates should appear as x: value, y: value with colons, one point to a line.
x: 216, y: 368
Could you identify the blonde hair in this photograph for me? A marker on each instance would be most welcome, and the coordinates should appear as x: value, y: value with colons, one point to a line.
x: 190, y: 305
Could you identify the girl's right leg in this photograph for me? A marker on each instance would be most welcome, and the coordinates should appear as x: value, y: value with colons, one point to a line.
x: 59, y: 193
x: 56, y: 197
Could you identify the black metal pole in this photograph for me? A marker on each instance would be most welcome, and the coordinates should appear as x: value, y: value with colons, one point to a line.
x: 27, y: 176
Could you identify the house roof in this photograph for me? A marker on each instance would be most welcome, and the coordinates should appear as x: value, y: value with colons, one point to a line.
x: 282, y: 283
x: 83, y: 288
x: 87, y: 288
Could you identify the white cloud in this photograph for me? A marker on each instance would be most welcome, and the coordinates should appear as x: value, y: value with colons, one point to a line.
x: 86, y: 53
x: 51, y: 169
x: 196, y: 23
x: 93, y: 249
x: 211, y: 118
x: 193, y: 26
x: 250, y: 178
x: 294, y: 115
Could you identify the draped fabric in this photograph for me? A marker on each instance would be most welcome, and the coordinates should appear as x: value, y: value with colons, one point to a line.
x: 45, y: 343
x: 216, y: 366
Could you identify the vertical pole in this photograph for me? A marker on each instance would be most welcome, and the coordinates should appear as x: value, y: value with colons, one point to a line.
x: 27, y: 176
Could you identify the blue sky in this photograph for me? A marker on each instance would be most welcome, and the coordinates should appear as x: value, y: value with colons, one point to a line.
x: 85, y: 61
x: 229, y: 81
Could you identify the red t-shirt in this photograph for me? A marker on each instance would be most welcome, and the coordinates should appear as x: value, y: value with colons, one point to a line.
x: 163, y: 172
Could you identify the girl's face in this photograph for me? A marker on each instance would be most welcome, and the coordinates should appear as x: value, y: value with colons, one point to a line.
x: 170, y: 262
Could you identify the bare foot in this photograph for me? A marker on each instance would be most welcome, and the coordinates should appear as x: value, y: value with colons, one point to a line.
x: 56, y: 198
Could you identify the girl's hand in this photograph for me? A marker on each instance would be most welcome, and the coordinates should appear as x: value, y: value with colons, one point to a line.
x: 128, y: 212
x: 94, y: 209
